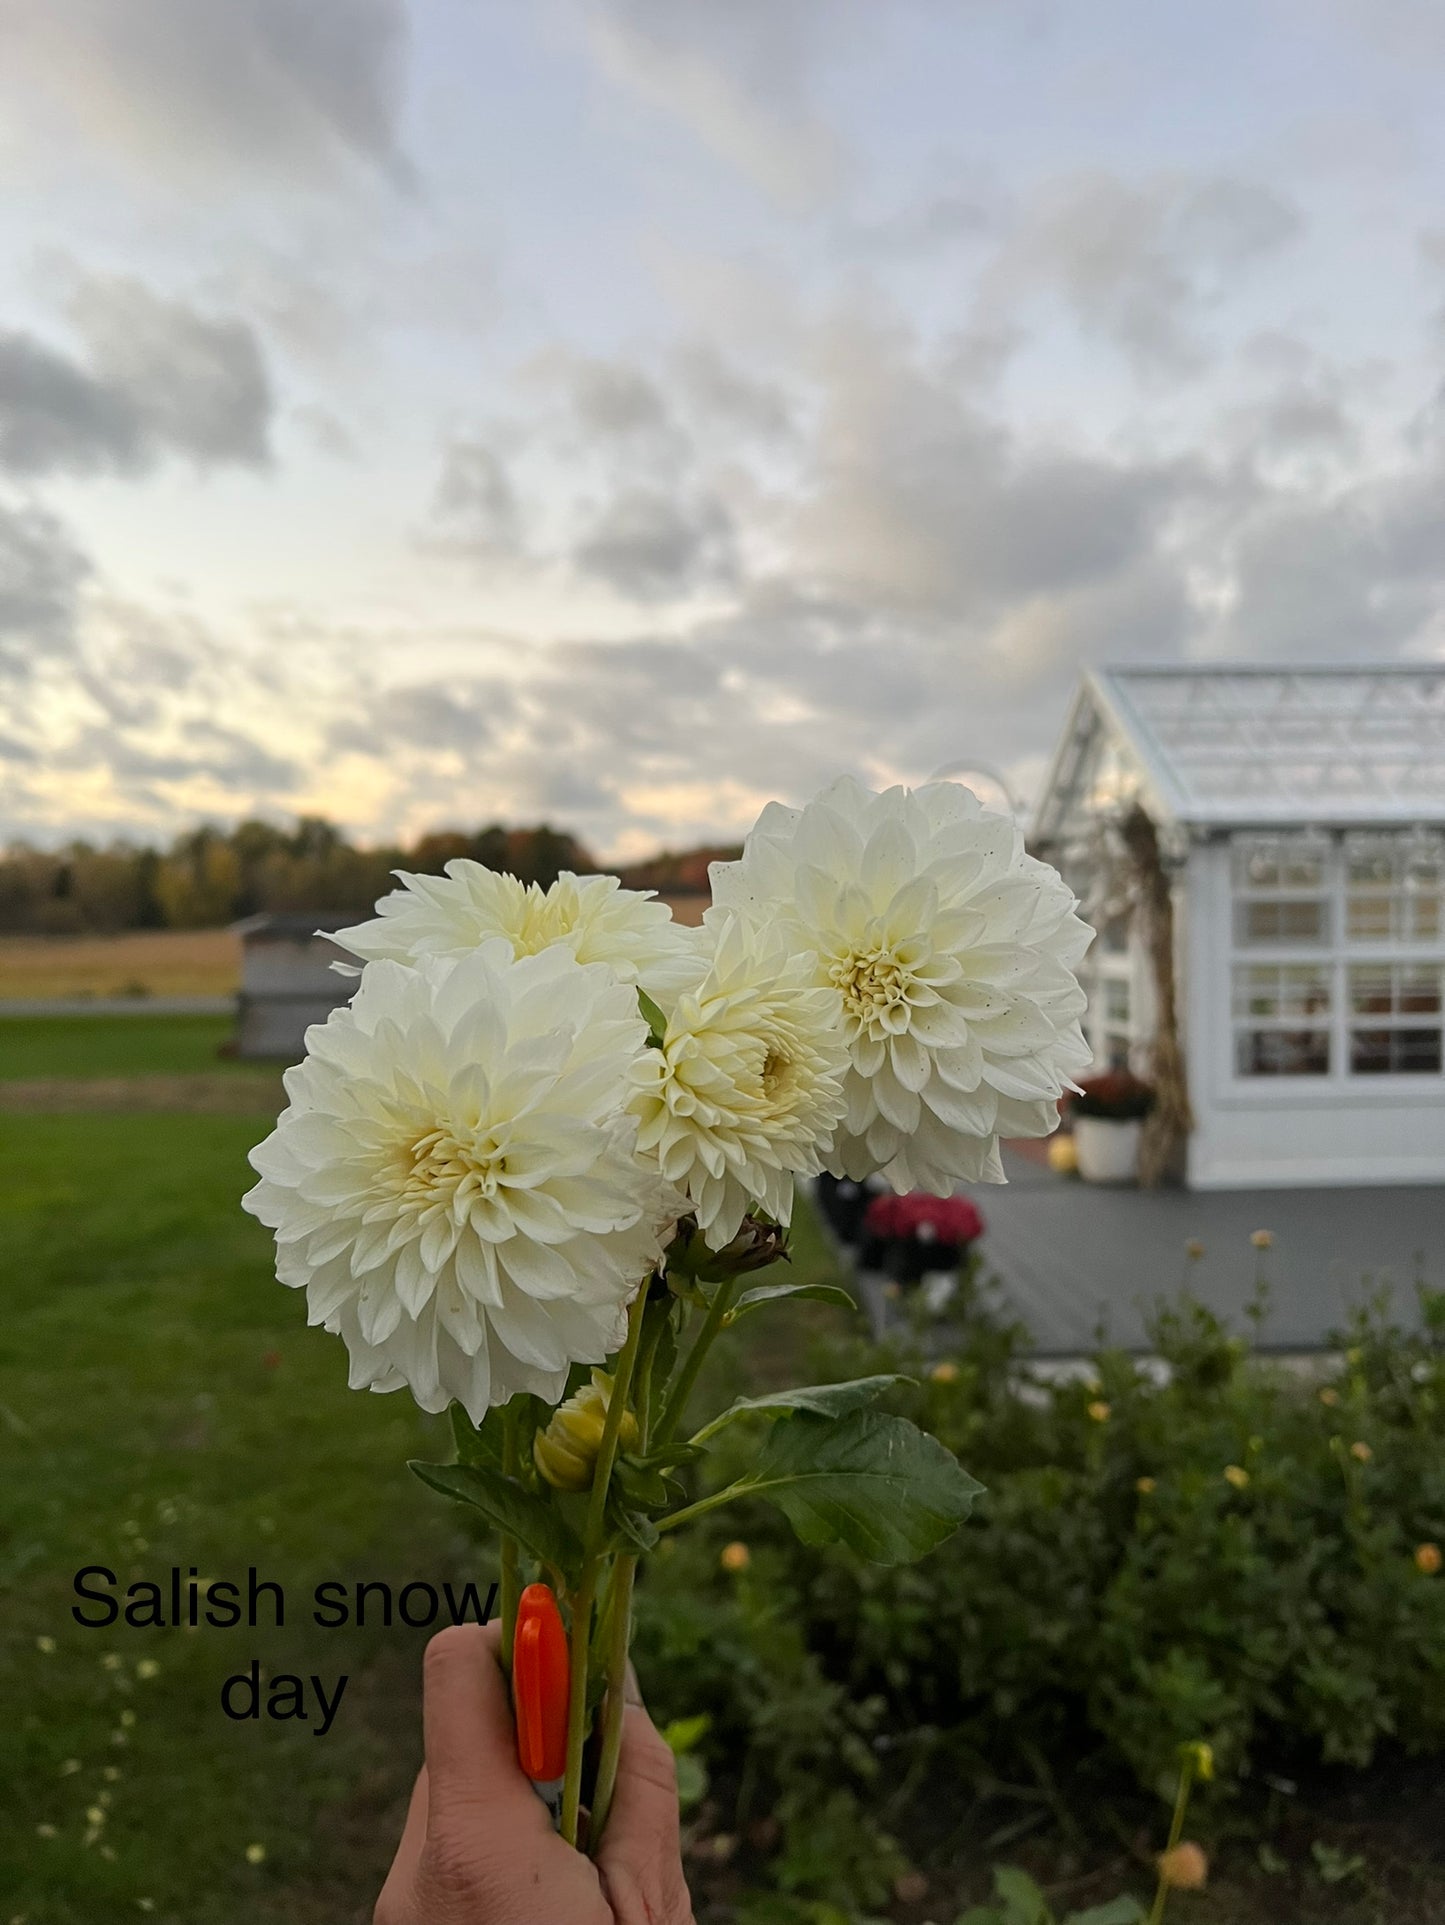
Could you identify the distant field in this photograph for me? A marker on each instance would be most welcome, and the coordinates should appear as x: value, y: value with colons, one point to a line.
x: 109, y: 1046
x: 154, y: 962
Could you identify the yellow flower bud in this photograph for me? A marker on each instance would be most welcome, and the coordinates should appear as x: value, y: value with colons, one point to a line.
x: 1428, y: 1559
x: 1262, y: 1239
x: 1146, y: 1486
x: 1099, y: 1411
x: 1236, y: 1474
x: 944, y: 1373
x: 566, y: 1451
x: 1201, y: 1756
x: 1062, y: 1155
x: 1329, y: 1396
x: 735, y: 1557
x: 1361, y: 1452
x: 1185, y: 1869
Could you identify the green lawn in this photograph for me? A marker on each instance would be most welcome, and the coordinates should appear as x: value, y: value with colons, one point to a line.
x: 32, y: 1046
x: 162, y: 1404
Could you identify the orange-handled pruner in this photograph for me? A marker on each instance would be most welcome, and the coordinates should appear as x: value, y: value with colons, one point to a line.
x: 541, y: 1674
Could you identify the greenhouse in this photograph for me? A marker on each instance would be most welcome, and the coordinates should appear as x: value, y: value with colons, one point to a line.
x: 1263, y: 855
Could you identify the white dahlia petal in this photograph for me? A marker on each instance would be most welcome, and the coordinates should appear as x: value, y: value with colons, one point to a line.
x: 950, y: 953
x: 470, y: 1224
x: 593, y: 917
x: 747, y: 1088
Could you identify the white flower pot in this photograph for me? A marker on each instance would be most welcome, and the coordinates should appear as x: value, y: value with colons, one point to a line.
x: 1108, y: 1151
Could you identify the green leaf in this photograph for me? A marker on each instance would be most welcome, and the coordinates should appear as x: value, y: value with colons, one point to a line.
x: 881, y: 1485
x: 823, y: 1400
x: 506, y: 1504
x: 692, y: 1782
x: 1118, y: 1911
x: 774, y: 1293
x: 644, y: 1485
x: 632, y: 1531
x: 653, y: 1017
x: 1024, y: 1903
x: 685, y: 1734
x: 478, y: 1443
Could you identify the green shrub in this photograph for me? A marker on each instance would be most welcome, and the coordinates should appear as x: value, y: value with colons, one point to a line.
x: 1228, y: 1555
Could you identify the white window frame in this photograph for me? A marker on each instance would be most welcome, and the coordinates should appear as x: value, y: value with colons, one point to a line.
x: 1333, y: 958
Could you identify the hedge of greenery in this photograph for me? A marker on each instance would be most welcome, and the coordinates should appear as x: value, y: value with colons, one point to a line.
x: 1242, y: 1553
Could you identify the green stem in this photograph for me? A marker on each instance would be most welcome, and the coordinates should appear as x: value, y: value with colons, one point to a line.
x: 677, y: 1403
x: 592, y: 1561
x: 620, y: 1629
x: 704, y: 1504
x: 1176, y: 1832
x: 659, y: 1311
x: 577, y: 1699
x: 510, y: 1585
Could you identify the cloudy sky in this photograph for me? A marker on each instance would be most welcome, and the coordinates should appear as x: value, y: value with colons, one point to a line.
x: 622, y: 411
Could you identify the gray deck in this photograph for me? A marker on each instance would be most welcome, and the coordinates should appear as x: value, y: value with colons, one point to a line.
x: 1073, y: 1257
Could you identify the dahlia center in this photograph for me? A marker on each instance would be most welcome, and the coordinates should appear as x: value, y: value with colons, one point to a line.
x: 873, y: 982
x: 444, y: 1169
x: 778, y: 1073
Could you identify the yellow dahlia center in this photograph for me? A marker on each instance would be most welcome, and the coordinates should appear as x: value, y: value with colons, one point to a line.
x: 443, y: 1170
x: 779, y: 1072
x: 872, y: 981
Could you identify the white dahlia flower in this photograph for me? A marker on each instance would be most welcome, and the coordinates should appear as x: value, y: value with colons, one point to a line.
x: 455, y: 1182
x: 592, y: 916
x: 747, y: 1088
x: 950, y: 954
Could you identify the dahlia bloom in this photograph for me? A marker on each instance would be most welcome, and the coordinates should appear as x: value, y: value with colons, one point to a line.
x: 455, y: 1183
x: 592, y: 916
x: 747, y: 1088
x: 950, y: 954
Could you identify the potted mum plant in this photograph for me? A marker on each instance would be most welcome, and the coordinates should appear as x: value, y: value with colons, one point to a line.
x: 530, y: 1172
x: 1108, y: 1110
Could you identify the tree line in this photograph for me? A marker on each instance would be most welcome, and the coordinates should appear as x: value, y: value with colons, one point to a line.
x: 209, y: 877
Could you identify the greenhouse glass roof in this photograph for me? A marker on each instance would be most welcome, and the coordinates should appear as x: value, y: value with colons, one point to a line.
x: 1232, y: 746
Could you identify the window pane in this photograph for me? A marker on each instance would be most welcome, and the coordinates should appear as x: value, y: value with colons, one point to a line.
x: 1261, y: 922
x: 1369, y: 918
x: 1255, y: 867
x: 1419, y: 989
x: 1282, y: 1052
x: 1417, y: 1051
x: 1422, y: 916
x: 1395, y: 1052
x: 1301, y: 869
x: 1372, y: 991
x: 1370, y: 1052
x: 1256, y: 990
x: 1116, y: 1003
x: 1281, y: 989
x: 1114, y: 935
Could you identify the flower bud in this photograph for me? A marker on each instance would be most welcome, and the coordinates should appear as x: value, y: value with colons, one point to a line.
x: 1185, y: 1869
x: 1427, y: 1559
x: 735, y: 1557
x: 944, y: 1373
x: 566, y: 1451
